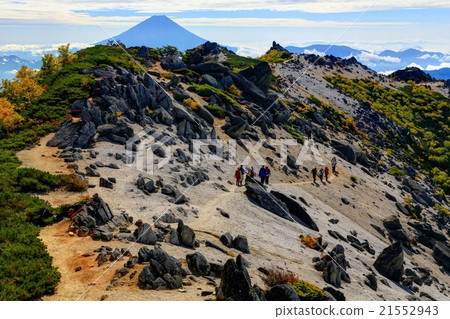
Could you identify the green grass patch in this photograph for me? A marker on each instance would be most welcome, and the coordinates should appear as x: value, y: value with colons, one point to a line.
x: 225, y: 96
x: 275, y: 56
x: 216, y: 110
x: 293, y: 132
x: 395, y: 171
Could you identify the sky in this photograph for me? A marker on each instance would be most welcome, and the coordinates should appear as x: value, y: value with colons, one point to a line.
x: 251, y: 25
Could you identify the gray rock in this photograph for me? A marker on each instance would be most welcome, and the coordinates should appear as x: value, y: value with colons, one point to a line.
x: 390, y: 262
x: 296, y: 210
x: 235, y: 283
x: 241, y: 244
x: 145, y: 235
x: 392, y: 222
x: 441, y: 253
x: 91, y: 172
x: 105, y: 183
x: 371, y: 281
x: 198, y: 264
x: 391, y: 197
x: 227, y: 240
x: 186, y: 235
x: 282, y: 293
x: 336, y: 266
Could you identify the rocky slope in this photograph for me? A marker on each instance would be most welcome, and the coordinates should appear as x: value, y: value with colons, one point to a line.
x: 173, y: 232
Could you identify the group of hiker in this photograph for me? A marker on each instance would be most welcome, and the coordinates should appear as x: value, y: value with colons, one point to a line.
x: 264, y: 174
x: 324, y: 171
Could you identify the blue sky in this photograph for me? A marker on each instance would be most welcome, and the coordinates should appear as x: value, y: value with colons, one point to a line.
x: 41, y: 24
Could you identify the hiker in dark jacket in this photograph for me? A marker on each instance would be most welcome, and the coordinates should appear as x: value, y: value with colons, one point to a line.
x: 267, y: 174
x: 321, y: 174
x: 262, y: 174
x: 314, y: 174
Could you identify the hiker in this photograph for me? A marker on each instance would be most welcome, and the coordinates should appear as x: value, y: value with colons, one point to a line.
x: 237, y: 175
x: 262, y: 174
x: 327, y: 172
x: 267, y: 174
x: 321, y: 174
x: 314, y: 174
x: 251, y: 172
x: 242, y: 172
x: 333, y: 165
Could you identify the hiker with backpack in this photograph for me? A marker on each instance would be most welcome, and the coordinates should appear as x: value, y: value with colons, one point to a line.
x: 262, y: 174
x: 327, y: 172
x: 333, y: 165
x: 242, y: 172
x: 314, y: 174
x: 321, y: 174
x: 267, y: 169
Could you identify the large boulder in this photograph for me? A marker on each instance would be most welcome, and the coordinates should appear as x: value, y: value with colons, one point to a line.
x: 345, y: 151
x: 235, y: 283
x: 442, y: 254
x: 145, y: 235
x: 336, y: 265
x: 198, y: 264
x: 296, y: 210
x: 208, y: 79
x: 186, y: 235
x: 248, y: 88
x: 240, y: 243
x: 74, y: 134
x: 282, y: 293
x: 260, y: 75
x: 164, y: 270
x: 256, y: 193
x: 392, y: 223
x: 390, y: 262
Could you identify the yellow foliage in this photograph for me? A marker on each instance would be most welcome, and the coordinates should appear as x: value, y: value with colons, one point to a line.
x: 23, y: 89
x: 311, y: 242
x: 9, y: 117
x: 234, y: 90
x: 191, y: 104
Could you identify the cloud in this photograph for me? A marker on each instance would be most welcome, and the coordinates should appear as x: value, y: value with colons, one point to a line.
x: 437, y: 67
x: 251, y: 52
x: 12, y: 72
x: 314, y: 51
x: 372, y: 59
x: 415, y: 65
x: 39, y: 49
x: 72, y: 12
x: 276, y: 22
x: 387, y: 72
x: 429, y: 56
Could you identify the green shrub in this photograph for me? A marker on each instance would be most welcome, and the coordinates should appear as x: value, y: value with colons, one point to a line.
x: 305, y: 290
x: 216, y: 110
x: 441, y: 209
x: 417, y: 109
x: 395, y: 171
x: 275, y: 56
x: 293, y: 132
x: 205, y: 89
x: 308, y: 292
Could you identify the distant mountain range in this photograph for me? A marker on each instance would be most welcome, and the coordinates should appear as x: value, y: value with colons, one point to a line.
x: 10, y: 64
x: 158, y: 31
x: 433, y: 63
